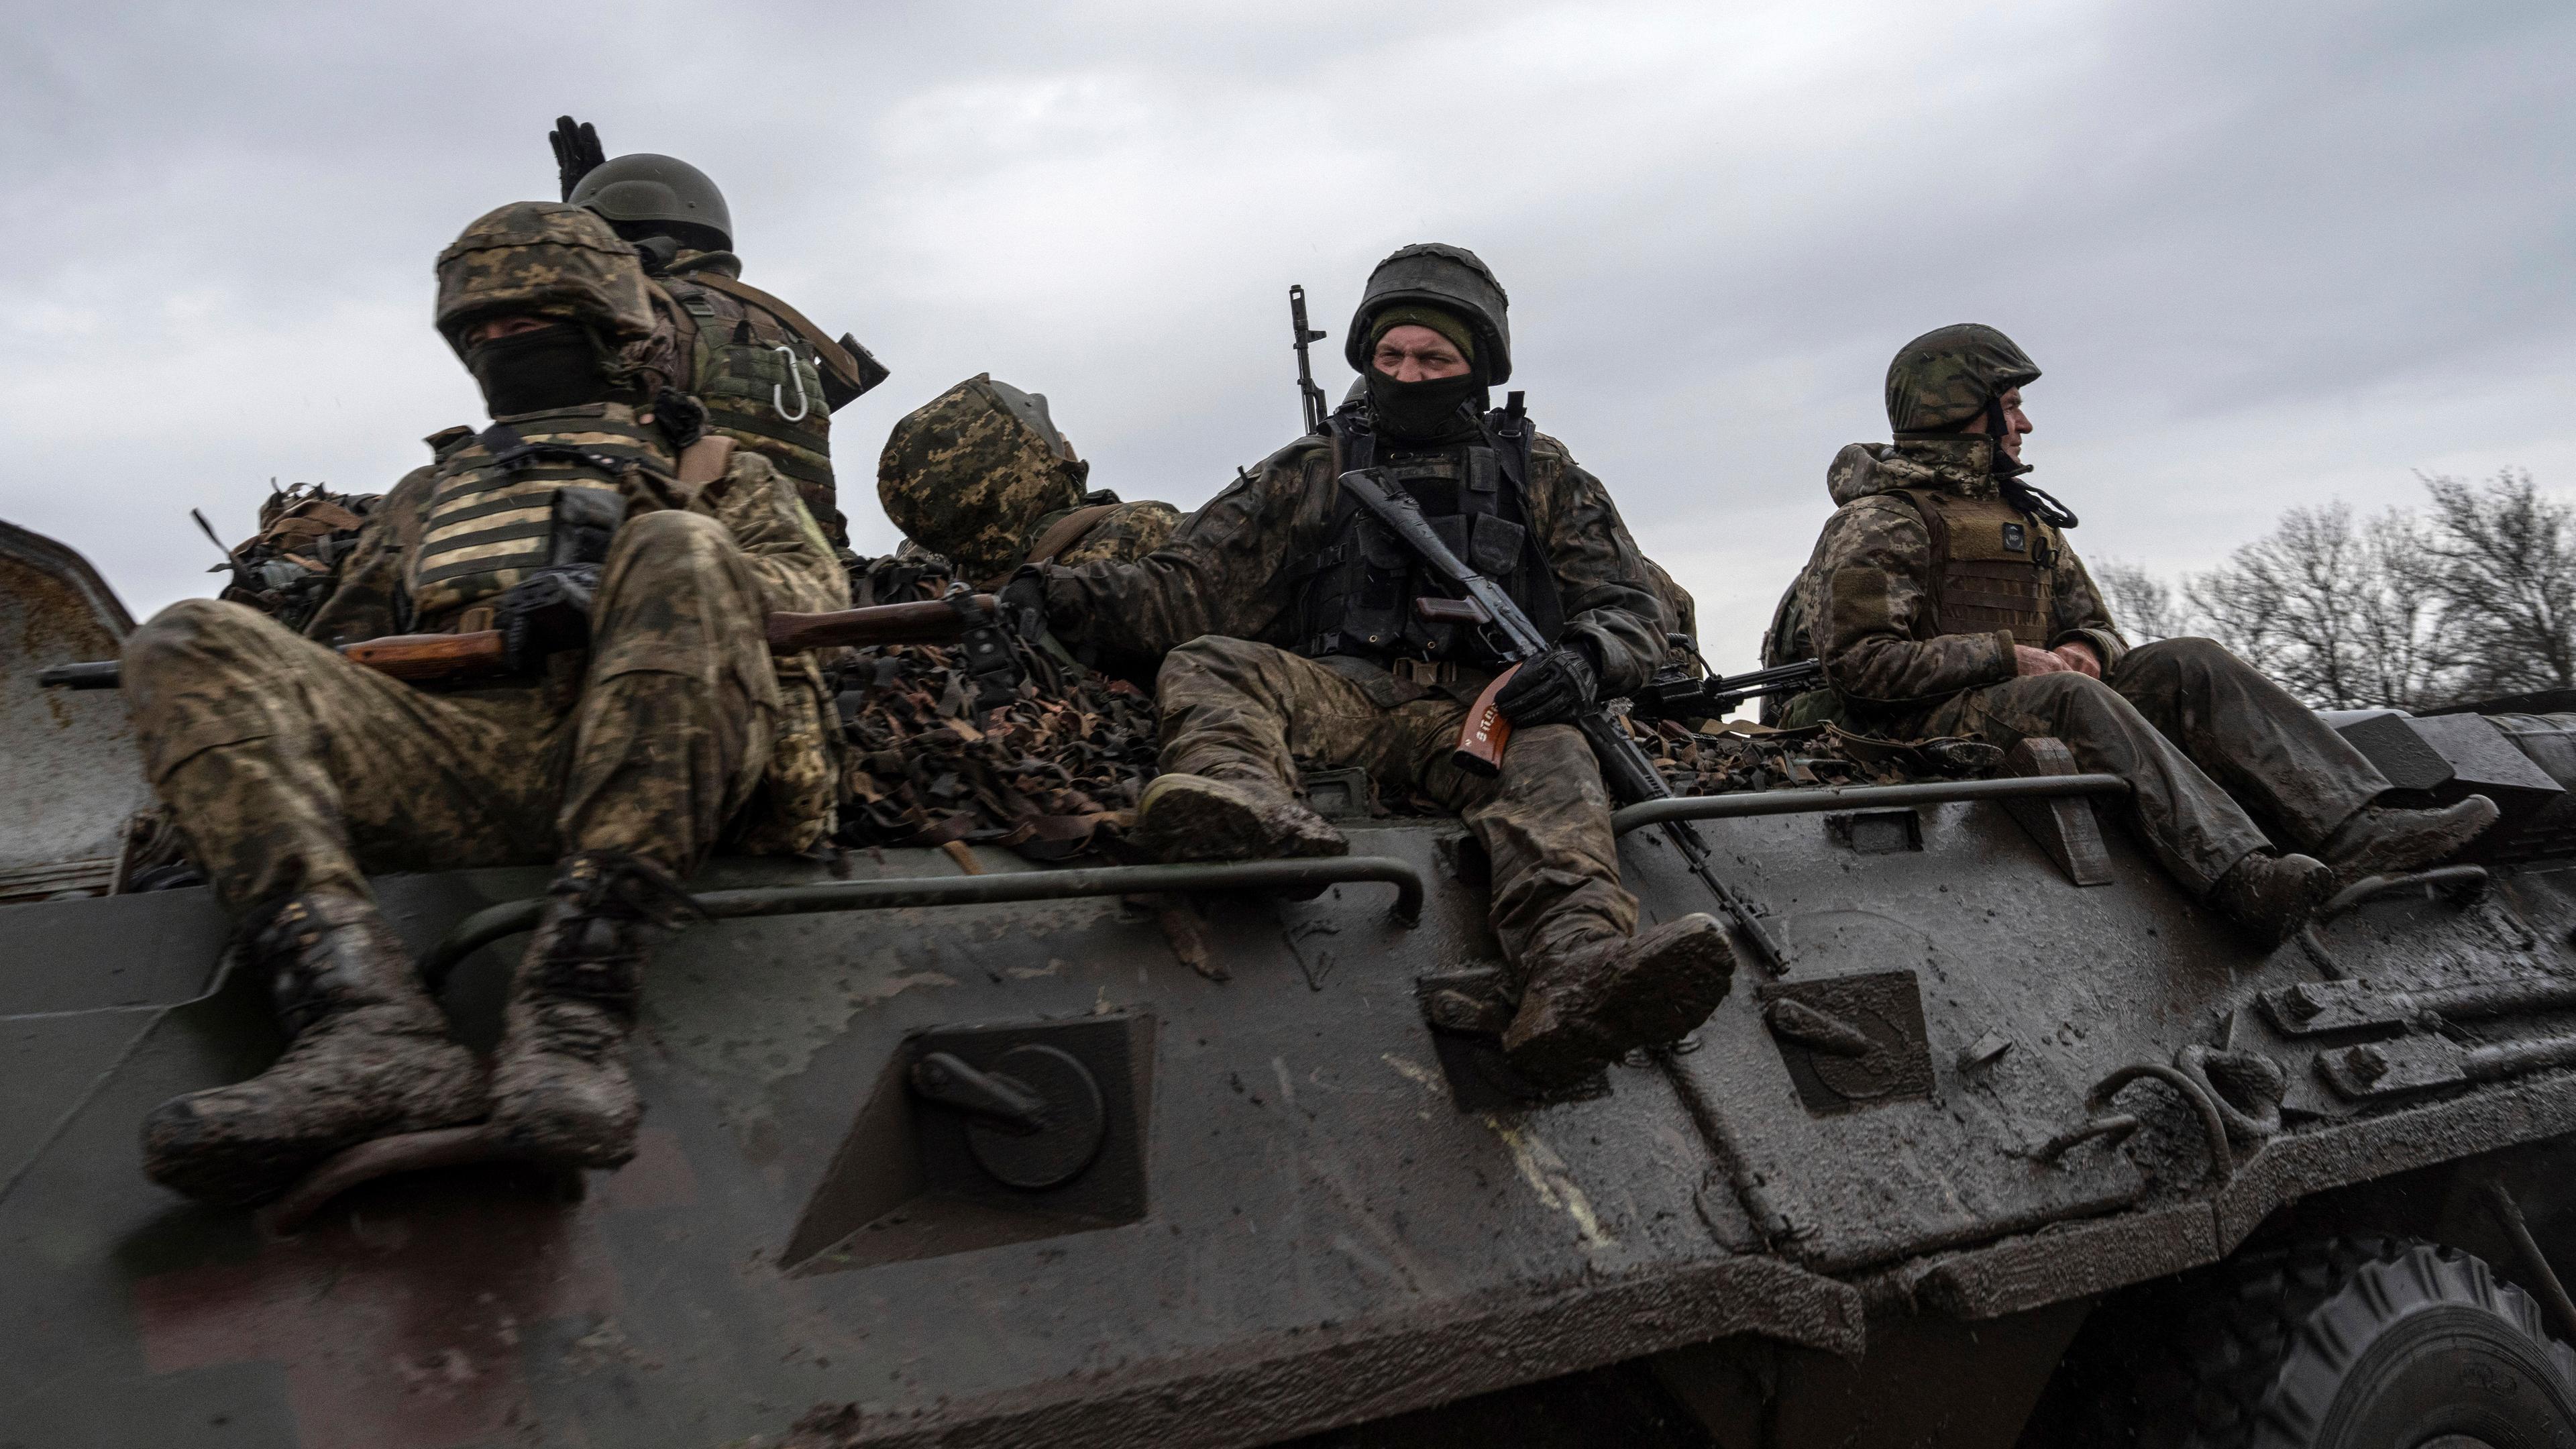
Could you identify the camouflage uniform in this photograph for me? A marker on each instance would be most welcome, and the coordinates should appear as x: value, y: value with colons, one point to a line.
x: 1235, y: 701
x: 292, y: 772
x: 291, y: 769
x: 2184, y: 721
x: 981, y: 476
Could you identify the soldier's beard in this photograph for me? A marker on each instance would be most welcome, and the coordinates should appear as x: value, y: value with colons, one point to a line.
x: 534, y: 372
x: 1434, y: 410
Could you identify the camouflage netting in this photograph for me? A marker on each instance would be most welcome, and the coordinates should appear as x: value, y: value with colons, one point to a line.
x: 293, y: 562
x: 1050, y: 774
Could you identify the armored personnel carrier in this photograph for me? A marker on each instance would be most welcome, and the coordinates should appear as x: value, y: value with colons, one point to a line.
x: 2014, y: 1145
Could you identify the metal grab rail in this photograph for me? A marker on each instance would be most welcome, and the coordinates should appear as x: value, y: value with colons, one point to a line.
x: 512, y: 917
x: 1860, y: 797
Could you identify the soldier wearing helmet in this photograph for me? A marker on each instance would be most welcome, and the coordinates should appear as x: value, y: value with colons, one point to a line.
x: 632, y: 564
x: 1944, y: 600
x: 770, y: 379
x: 981, y: 476
x: 1288, y: 618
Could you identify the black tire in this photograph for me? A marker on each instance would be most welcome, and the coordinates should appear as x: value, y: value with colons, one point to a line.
x: 2344, y: 1343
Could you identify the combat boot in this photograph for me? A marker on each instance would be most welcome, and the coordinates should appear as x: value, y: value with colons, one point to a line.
x: 560, y: 1086
x: 1590, y: 1000
x: 2379, y: 840
x: 1201, y: 817
x: 2272, y: 896
x: 369, y: 1056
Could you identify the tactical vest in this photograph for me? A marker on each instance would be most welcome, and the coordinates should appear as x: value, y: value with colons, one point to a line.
x: 492, y: 510
x: 1355, y: 594
x: 758, y: 377
x: 1993, y: 566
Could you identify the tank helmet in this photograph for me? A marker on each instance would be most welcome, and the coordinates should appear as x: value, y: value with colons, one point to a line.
x: 970, y: 473
x: 644, y: 192
x: 1449, y: 279
x: 544, y: 259
x: 1946, y: 378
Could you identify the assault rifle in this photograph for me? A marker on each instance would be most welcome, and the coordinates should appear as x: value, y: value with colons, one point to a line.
x: 481, y: 653
x: 1311, y: 395
x: 1630, y: 776
x: 1678, y: 697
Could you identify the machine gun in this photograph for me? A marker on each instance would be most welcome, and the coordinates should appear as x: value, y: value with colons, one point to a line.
x: 1311, y: 395
x: 483, y: 653
x: 1680, y: 697
x: 1630, y: 776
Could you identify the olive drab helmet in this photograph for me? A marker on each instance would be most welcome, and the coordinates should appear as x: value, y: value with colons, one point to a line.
x: 544, y: 259
x: 969, y: 474
x: 1452, y: 279
x: 1941, y: 381
x: 641, y: 191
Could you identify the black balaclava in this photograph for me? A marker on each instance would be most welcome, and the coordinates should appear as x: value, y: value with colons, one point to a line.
x: 555, y: 366
x: 1434, y: 410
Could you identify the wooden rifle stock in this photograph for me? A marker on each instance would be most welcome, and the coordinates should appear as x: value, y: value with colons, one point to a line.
x: 1486, y: 733
x: 432, y: 657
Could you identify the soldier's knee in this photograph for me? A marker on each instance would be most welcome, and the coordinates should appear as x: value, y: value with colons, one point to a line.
x: 1211, y: 654
x: 190, y: 628
x: 671, y: 534
x: 2178, y: 659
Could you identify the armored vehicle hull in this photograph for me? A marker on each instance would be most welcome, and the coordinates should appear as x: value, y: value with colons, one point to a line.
x: 1876, y: 1200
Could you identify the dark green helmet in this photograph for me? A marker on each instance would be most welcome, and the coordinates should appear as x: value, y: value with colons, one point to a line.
x: 1943, y: 379
x: 641, y: 193
x: 1452, y: 279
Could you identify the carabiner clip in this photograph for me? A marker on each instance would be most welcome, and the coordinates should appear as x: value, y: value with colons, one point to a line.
x: 778, y: 390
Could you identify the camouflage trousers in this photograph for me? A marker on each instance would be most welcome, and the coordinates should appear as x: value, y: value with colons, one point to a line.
x: 2194, y: 730
x: 1232, y: 708
x: 286, y: 768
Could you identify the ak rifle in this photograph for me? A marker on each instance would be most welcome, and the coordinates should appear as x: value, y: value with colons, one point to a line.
x: 1630, y: 776
x: 480, y: 653
x: 1307, y: 391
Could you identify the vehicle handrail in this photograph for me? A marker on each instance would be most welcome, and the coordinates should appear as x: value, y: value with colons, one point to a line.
x: 1860, y: 797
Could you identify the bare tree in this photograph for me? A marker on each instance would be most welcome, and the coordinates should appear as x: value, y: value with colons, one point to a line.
x: 2143, y: 605
x: 2501, y: 560
x: 2339, y: 611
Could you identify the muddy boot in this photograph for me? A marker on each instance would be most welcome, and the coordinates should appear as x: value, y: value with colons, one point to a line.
x: 2378, y: 840
x: 369, y: 1057
x: 1587, y: 1003
x: 2272, y: 896
x: 1200, y: 817
x: 560, y: 1089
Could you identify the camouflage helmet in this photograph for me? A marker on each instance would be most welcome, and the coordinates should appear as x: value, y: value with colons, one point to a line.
x: 1452, y: 279
x: 544, y: 259
x: 970, y: 473
x: 1942, y: 380
x: 641, y: 188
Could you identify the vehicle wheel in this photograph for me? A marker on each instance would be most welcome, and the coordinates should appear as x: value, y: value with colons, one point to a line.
x: 2344, y: 1343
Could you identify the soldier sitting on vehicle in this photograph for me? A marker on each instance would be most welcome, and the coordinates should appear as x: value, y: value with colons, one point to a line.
x: 1944, y: 600
x: 623, y: 751
x: 981, y: 476
x: 1288, y: 613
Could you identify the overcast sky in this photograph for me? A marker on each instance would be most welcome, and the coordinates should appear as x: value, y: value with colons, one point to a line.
x: 2267, y: 254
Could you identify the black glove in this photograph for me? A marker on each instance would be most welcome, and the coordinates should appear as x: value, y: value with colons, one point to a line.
x: 1022, y: 603
x: 577, y: 149
x: 1551, y: 689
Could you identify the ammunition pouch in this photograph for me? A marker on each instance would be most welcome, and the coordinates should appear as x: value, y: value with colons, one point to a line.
x: 549, y: 611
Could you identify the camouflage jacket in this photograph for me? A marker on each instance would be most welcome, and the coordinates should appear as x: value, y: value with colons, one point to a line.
x: 1866, y: 598
x: 1127, y: 531
x: 768, y: 519
x: 1227, y: 569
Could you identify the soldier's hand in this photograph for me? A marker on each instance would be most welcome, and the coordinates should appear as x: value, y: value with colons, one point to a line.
x: 2028, y: 661
x: 577, y: 150
x: 1022, y: 603
x: 1551, y: 689
x: 2079, y: 656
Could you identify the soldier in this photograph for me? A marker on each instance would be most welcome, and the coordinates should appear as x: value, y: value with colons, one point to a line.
x: 1288, y: 613
x: 769, y: 378
x: 623, y: 758
x: 1944, y: 601
x: 981, y: 476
